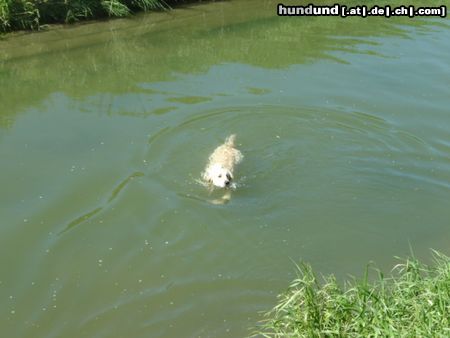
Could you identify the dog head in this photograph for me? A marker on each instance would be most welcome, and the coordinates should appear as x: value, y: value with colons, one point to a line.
x: 218, y: 176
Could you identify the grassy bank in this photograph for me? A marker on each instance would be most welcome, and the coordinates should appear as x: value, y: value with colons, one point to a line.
x: 32, y: 14
x: 413, y: 302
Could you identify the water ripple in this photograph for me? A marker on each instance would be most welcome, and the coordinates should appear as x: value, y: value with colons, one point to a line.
x: 114, y: 194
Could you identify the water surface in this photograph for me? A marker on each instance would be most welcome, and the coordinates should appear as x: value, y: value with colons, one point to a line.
x: 105, y: 128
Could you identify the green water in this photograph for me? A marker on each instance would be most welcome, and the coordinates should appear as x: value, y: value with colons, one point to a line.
x: 105, y: 128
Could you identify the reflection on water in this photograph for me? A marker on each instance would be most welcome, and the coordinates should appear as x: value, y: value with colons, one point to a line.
x: 105, y: 128
x: 91, y: 57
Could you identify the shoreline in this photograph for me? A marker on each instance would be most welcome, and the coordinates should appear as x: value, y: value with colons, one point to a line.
x: 23, y: 17
x: 412, y: 297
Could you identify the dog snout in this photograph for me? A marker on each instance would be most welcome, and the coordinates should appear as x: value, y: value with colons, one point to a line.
x: 227, y: 183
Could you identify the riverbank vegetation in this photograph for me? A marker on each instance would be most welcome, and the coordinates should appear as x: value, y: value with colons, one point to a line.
x: 413, y: 302
x: 32, y: 14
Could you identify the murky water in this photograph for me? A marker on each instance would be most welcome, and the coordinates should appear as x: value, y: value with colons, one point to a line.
x: 105, y: 128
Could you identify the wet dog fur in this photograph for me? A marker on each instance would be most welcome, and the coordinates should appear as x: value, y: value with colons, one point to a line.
x: 219, y: 171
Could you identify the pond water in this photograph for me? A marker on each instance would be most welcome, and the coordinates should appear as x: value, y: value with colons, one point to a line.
x: 105, y: 129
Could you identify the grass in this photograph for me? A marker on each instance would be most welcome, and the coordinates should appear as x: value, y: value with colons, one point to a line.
x: 32, y: 14
x: 413, y: 302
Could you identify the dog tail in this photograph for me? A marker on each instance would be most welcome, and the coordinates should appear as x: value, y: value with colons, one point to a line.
x: 230, y: 140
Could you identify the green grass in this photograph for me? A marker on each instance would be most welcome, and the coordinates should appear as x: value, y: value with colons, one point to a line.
x: 413, y: 302
x: 32, y: 14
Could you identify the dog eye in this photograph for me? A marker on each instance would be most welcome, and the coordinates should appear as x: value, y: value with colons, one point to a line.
x: 229, y: 176
x: 220, y: 175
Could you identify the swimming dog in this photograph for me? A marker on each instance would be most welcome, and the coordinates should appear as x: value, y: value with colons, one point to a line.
x: 219, y: 171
